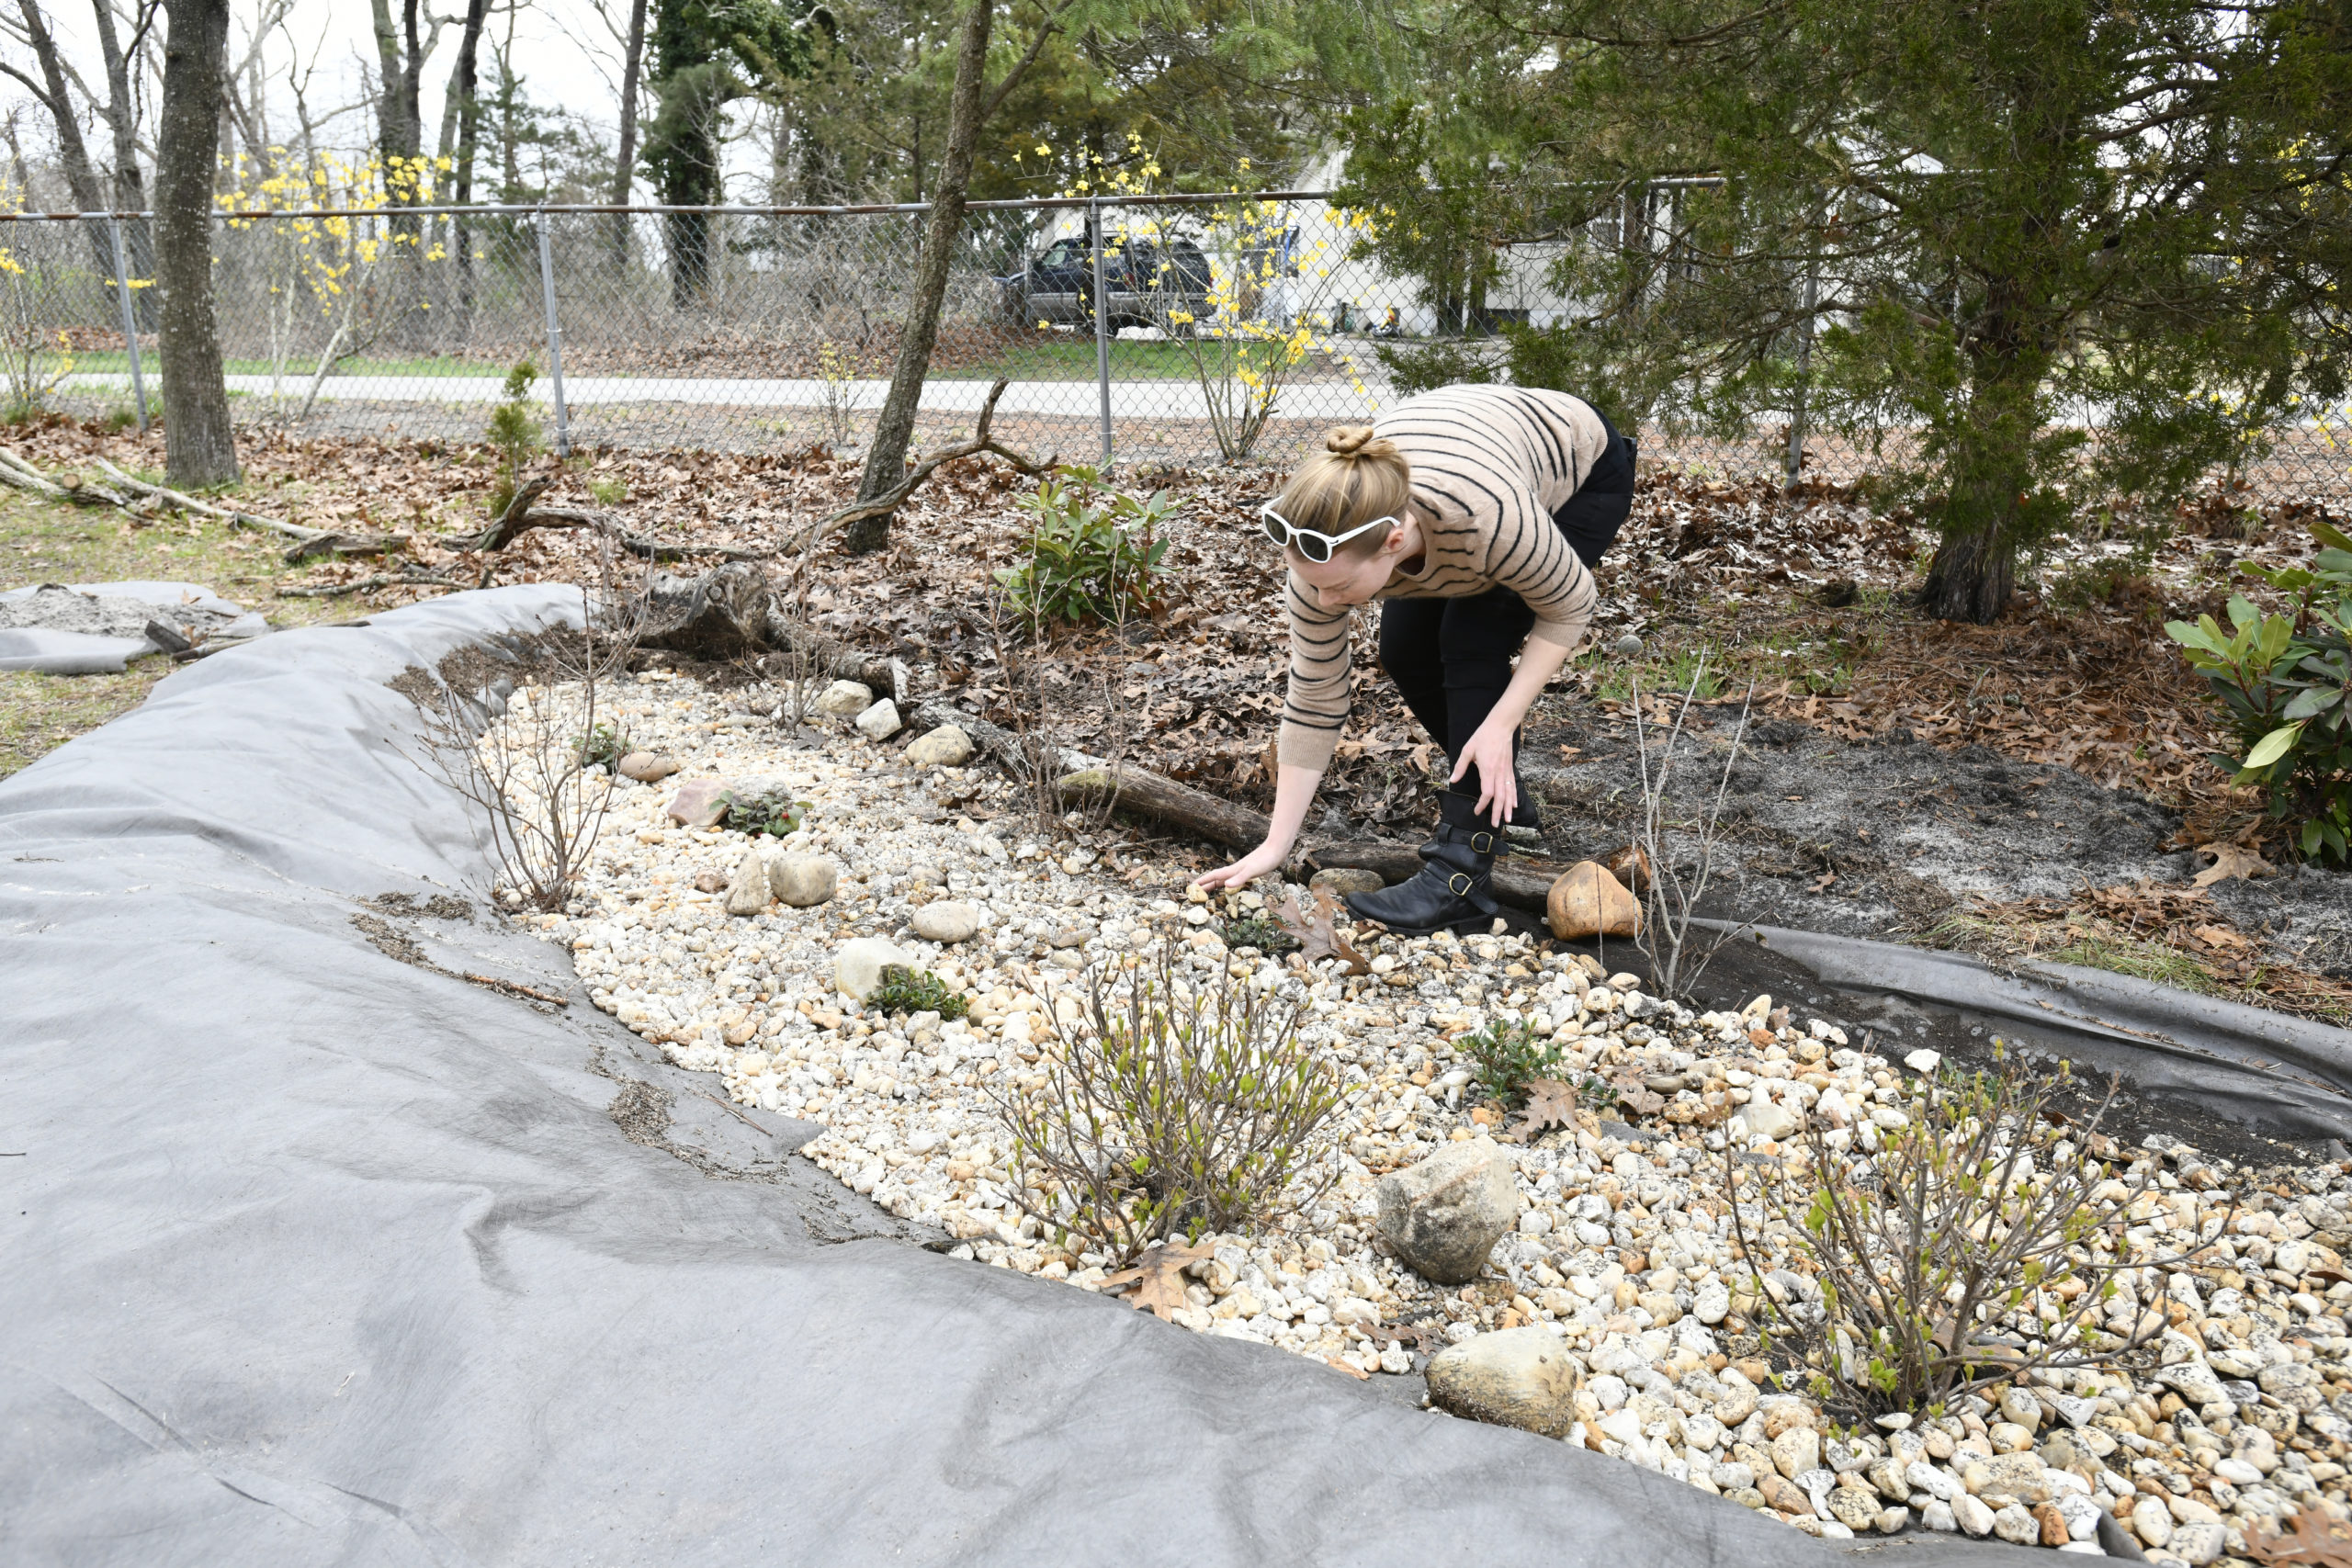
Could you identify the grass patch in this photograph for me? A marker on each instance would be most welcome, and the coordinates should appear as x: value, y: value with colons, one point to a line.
x: 43, y: 541
x: 1988, y: 935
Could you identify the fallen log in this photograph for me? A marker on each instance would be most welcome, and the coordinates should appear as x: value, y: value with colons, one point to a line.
x: 1524, y: 884
x: 311, y: 541
x: 830, y: 656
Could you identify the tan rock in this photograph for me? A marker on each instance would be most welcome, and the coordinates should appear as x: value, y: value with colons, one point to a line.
x: 645, y: 767
x: 1340, y: 881
x: 1518, y: 1377
x: 946, y: 747
x: 1442, y: 1217
x: 1587, y: 902
x: 748, y: 892
x: 803, y: 881
x: 1796, y: 1450
x: 700, y: 804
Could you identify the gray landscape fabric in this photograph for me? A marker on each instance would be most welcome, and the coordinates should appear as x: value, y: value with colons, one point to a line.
x: 313, y: 1256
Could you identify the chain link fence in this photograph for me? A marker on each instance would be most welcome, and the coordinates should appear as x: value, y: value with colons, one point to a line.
x: 1230, y: 328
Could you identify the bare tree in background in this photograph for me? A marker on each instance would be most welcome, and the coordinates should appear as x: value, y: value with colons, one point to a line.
x: 200, y: 448
x: 52, y: 93
x: 968, y: 109
x: 121, y: 115
x: 624, y: 156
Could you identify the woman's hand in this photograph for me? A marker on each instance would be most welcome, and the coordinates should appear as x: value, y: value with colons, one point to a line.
x: 1490, y: 752
x: 1267, y: 857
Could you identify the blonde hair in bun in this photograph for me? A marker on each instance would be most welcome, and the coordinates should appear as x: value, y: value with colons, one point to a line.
x: 1357, y: 477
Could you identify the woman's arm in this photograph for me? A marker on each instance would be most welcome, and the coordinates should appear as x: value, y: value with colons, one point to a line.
x: 1294, y: 793
x: 1489, y: 747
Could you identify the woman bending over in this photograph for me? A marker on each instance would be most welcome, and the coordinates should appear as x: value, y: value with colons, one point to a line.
x: 1473, y: 513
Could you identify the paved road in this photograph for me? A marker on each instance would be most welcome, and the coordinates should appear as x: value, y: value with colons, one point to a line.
x: 1129, y: 400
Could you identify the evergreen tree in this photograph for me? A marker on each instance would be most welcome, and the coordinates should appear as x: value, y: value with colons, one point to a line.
x: 2040, y: 251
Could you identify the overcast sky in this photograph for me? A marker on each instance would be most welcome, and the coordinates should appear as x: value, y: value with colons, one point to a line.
x: 564, y: 52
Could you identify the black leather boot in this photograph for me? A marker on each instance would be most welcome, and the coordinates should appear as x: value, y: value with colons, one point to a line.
x: 1453, y: 891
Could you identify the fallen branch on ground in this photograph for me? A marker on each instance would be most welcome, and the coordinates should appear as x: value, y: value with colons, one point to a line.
x: 369, y: 585
x: 524, y: 513
x: 888, y: 504
x: 16, y: 471
x: 307, y: 541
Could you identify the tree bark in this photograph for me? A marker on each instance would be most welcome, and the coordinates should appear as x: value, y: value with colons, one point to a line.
x: 465, y: 105
x: 200, y: 446
x: 886, y: 457
x: 89, y: 195
x: 632, y: 74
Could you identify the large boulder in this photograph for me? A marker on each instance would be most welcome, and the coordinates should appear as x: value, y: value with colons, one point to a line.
x: 1520, y: 1377
x: 1442, y: 1217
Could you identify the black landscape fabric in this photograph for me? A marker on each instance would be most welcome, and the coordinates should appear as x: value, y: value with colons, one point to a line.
x: 316, y: 1256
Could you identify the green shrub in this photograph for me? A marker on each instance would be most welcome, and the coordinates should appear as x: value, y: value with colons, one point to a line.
x: 1506, y: 1056
x: 514, y: 434
x: 1442, y: 362
x: 2286, y: 681
x: 1094, y: 554
x: 915, y: 990
x: 1181, y: 1107
x: 773, y: 812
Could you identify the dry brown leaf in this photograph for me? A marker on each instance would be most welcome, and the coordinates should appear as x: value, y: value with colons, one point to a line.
x: 1550, y: 1104
x: 1158, y: 1278
x: 1356, y: 1373
x: 2229, y: 862
x: 1313, y: 925
x: 2314, y: 1542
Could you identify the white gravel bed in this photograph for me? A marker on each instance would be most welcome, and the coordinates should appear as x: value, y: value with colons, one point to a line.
x: 1624, y: 1248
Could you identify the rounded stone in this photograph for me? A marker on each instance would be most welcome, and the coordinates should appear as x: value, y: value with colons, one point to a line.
x: 1796, y: 1450
x: 1855, y: 1508
x: 1518, y: 1377
x: 803, y: 881
x: 880, y: 721
x: 645, y: 767
x: 946, y: 921
x: 844, y: 699
x: 1340, y: 881
x: 2151, y: 1522
x: 946, y: 747
x: 857, y: 968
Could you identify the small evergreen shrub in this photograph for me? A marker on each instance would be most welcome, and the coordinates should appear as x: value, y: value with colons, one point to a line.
x: 1094, y: 554
x: 1506, y: 1056
x: 771, y: 812
x: 915, y: 990
x: 513, y: 434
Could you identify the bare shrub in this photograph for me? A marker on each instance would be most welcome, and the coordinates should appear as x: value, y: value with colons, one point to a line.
x: 1969, y: 1249
x: 1669, y: 886
x: 523, y: 760
x: 1172, y: 1106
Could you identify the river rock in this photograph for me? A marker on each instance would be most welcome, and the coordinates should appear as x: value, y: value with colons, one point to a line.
x: 748, y: 891
x: 2200, y: 1544
x: 803, y: 881
x: 880, y: 721
x: 1769, y: 1121
x: 1518, y: 1377
x: 700, y: 804
x: 1854, y: 1508
x: 945, y: 920
x: 857, y: 968
x: 1796, y: 1450
x: 645, y: 767
x: 1442, y: 1217
x: 1971, y: 1515
x: 844, y: 698
x: 2151, y: 1521
x: 1340, y: 881
x: 946, y: 747
x: 1713, y: 1304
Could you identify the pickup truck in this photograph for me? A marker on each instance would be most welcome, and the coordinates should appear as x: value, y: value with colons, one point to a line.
x: 1149, y: 283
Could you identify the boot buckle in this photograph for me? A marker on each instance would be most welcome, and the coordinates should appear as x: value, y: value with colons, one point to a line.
x: 1459, y: 886
x: 1482, y: 843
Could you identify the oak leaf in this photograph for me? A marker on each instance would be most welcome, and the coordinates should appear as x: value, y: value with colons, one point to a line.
x: 1313, y: 925
x: 2231, y: 862
x: 1158, y: 1278
x: 2314, y: 1542
x: 1550, y: 1104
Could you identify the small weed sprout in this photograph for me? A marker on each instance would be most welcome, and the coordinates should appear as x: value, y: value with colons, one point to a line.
x: 905, y: 990
x: 1261, y: 932
x: 837, y: 381
x: 1172, y: 1106
x: 773, y: 813
x: 604, y: 747
x: 514, y: 434
x: 1506, y: 1056
x: 1967, y: 1250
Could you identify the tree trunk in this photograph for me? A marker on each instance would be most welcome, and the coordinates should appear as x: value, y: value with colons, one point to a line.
x: 885, y: 459
x: 1988, y: 511
x: 200, y: 446
x: 625, y: 158
x: 464, y: 108
x: 89, y: 195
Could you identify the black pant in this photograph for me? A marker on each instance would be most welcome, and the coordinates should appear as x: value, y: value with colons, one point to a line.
x: 1450, y: 658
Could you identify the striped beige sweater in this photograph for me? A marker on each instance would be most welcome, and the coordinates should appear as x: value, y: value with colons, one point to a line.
x: 1490, y: 465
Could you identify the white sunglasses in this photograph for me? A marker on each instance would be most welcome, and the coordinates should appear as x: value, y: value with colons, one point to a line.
x: 1307, y: 541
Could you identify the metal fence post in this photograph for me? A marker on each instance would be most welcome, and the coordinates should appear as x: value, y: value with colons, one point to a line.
x: 130, y: 320
x: 1794, y: 467
x: 1102, y: 326
x: 555, y: 340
